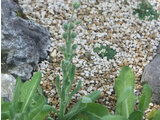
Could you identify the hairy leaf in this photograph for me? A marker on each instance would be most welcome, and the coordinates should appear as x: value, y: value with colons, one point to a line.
x: 145, y: 99
x: 74, y: 91
x: 13, y: 108
x: 37, y: 108
x: 43, y: 113
x: 16, y: 94
x: 77, y: 108
x: 136, y: 115
x: 86, y: 100
x: 24, y: 90
x: 124, y: 82
x: 96, y: 109
x: 114, y: 117
x: 33, y: 86
x: 58, y: 85
x: 128, y: 91
x: 93, y: 111
x: 93, y: 96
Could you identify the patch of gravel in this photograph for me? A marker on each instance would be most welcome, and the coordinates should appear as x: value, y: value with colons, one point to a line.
x: 109, y: 23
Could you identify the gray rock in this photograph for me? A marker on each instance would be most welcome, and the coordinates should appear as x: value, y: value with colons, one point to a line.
x: 151, y: 75
x: 7, y: 86
x: 23, y: 71
x: 24, y: 43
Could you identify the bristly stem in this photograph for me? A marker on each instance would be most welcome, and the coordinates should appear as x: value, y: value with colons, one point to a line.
x: 68, y: 68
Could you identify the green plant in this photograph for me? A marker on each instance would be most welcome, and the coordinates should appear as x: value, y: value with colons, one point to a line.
x: 146, y: 9
x: 28, y: 101
x: 27, y: 104
x: 21, y: 14
x: 104, y: 51
x: 124, y: 87
x: 68, y: 70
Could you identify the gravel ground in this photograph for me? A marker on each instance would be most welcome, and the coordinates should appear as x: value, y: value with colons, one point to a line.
x: 108, y: 23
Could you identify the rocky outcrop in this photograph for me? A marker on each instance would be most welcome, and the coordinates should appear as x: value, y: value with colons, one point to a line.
x: 24, y: 43
x: 151, y: 75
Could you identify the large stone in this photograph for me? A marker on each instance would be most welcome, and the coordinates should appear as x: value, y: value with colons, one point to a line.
x: 151, y: 75
x: 7, y: 86
x: 24, y: 42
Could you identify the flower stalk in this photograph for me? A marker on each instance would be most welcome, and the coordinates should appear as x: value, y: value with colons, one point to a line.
x: 68, y: 69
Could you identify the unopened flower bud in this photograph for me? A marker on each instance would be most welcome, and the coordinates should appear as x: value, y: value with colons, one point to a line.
x: 71, y: 26
x: 76, y: 5
x: 65, y: 26
x: 78, y: 22
x: 64, y: 35
x: 73, y: 35
x: 74, y: 46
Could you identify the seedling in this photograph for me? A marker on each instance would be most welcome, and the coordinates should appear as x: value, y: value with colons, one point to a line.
x: 104, y: 51
x: 146, y: 9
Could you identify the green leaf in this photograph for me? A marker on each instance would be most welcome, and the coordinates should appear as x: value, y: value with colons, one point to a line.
x: 2, y: 101
x: 86, y: 100
x: 74, y: 91
x: 80, y: 116
x: 40, y: 92
x: 16, y: 94
x: 24, y: 89
x: 145, y: 99
x: 157, y: 116
x: 5, y: 110
x: 93, y: 96
x: 151, y: 114
x: 37, y: 107
x: 124, y: 82
x: 97, y: 109
x: 77, y: 108
x: 86, y: 116
x: 5, y: 115
x: 58, y: 86
x: 136, y: 115
x: 72, y: 73
x: 13, y: 108
x: 114, y: 117
x: 128, y: 91
x: 49, y: 118
x: 33, y: 86
x: 93, y: 111
x: 42, y: 114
